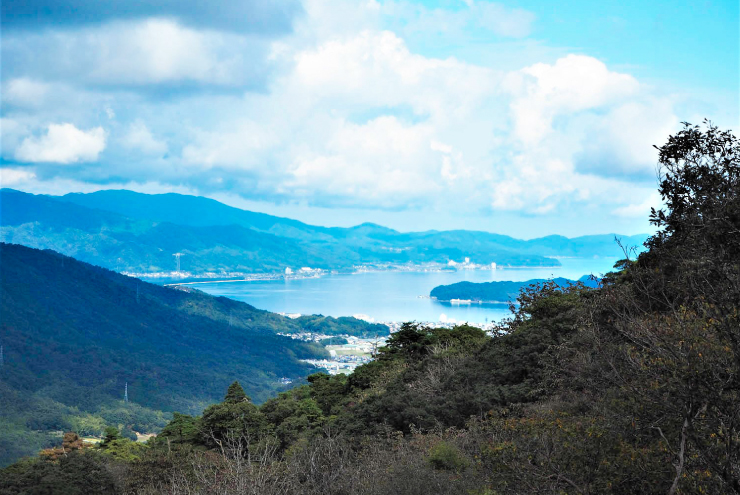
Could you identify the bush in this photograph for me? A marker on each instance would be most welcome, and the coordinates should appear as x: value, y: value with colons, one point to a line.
x: 446, y: 456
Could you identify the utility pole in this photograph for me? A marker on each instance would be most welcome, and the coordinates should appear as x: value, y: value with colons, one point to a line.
x: 125, y: 393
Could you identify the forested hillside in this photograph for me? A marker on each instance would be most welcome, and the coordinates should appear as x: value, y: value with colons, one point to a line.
x: 631, y: 387
x: 74, y: 334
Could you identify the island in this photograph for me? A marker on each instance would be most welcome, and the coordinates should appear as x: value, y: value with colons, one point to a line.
x: 495, y: 292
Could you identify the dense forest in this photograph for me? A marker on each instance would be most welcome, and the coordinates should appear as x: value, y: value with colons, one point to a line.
x: 139, y: 233
x: 73, y: 335
x: 631, y: 387
x: 498, y: 291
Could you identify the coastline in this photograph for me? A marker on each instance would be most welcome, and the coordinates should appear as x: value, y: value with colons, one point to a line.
x: 188, y: 278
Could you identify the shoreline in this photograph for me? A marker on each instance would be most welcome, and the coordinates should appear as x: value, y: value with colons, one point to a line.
x: 193, y: 279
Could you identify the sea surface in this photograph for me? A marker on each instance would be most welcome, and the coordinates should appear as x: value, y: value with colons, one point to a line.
x: 392, y: 295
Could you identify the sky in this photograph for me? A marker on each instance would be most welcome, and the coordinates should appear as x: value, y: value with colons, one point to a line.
x: 525, y: 118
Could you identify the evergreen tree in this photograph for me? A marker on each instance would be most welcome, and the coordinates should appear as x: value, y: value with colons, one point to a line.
x: 236, y: 394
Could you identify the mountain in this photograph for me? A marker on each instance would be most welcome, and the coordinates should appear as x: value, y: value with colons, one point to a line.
x: 139, y: 233
x: 192, y: 211
x: 501, y: 291
x: 75, y: 335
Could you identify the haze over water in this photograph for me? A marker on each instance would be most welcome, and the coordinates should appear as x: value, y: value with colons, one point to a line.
x: 392, y: 296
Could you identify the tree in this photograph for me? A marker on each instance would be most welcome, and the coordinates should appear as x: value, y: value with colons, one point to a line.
x: 236, y: 416
x: 235, y: 394
x: 697, y: 250
x: 660, y: 344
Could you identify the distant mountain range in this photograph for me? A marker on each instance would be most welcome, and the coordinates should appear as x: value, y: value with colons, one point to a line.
x: 496, y: 292
x: 134, y: 232
x: 75, y: 335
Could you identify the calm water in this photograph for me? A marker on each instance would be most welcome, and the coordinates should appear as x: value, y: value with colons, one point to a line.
x: 391, y: 296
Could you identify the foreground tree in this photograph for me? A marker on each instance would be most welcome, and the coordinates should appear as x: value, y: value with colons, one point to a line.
x: 659, y: 350
x: 235, y: 417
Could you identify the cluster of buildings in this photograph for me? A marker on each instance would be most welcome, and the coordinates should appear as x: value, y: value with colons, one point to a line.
x: 468, y: 265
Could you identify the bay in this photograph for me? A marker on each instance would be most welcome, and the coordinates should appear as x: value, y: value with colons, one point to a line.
x: 392, y: 296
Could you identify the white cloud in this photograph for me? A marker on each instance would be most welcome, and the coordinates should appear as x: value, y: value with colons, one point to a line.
x: 639, y: 210
x: 139, y: 137
x: 573, y: 84
x: 15, y: 177
x: 354, y: 117
x: 62, y: 143
x: 140, y: 53
x: 242, y: 147
x: 25, y: 92
x: 620, y: 143
x: 376, y: 68
x: 383, y: 162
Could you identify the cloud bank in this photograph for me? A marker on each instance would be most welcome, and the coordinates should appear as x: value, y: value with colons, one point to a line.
x: 324, y: 103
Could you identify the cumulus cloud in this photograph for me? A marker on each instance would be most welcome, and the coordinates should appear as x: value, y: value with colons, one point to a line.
x: 139, y: 137
x: 25, y: 92
x: 62, y: 143
x: 376, y: 68
x: 344, y: 113
x: 155, y: 51
x: 14, y: 177
x: 620, y: 143
x: 574, y: 83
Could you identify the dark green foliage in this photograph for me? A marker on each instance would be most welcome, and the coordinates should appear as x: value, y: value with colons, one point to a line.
x: 447, y: 376
x: 329, y: 391
x: 74, y: 334
x: 235, y: 416
x: 410, y: 342
x: 235, y: 394
x: 110, y: 434
x: 182, y: 429
x: 294, y: 414
x: 333, y: 341
x: 83, y: 473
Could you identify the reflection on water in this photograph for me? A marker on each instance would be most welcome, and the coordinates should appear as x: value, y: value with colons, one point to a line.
x: 392, y: 296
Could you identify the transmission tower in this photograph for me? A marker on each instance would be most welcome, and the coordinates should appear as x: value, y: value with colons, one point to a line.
x: 125, y: 393
x: 177, y: 257
x: 2, y: 358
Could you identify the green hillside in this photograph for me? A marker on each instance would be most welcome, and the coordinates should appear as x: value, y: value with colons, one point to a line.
x: 74, y: 334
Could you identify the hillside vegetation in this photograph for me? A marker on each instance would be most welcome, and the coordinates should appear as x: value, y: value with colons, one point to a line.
x: 74, y: 334
x: 632, y: 387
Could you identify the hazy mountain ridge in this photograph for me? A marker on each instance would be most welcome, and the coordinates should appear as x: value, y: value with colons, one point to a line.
x: 139, y: 233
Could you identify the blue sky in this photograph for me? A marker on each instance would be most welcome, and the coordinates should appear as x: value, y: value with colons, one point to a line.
x: 526, y: 118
